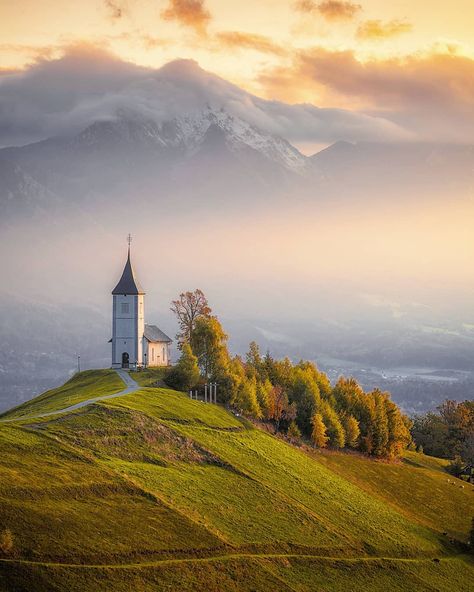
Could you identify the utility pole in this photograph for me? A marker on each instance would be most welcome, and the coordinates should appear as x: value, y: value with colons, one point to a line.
x: 78, y: 363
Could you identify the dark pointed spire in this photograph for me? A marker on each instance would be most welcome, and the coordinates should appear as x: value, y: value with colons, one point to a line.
x: 128, y: 283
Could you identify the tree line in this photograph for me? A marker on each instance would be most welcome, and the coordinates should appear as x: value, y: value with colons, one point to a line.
x: 297, y: 399
x: 448, y: 432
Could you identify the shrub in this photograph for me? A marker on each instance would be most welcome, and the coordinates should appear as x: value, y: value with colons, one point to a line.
x: 185, y: 374
x: 6, y: 542
x: 455, y: 467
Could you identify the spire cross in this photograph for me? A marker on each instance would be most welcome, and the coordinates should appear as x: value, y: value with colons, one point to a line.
x: 129, y: 240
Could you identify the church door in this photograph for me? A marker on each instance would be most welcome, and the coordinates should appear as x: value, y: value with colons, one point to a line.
x: 125, y: 360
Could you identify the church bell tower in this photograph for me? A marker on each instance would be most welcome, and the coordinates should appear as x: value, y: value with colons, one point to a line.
x: 128, y: 319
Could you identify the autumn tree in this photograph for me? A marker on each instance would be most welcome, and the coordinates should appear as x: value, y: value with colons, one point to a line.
x: 244, y: 392
x: 320, y: 378
x: 398, y: 429
x: 188, y: 308
x: 334, y: 428
x: 448, y: 431
x: 318, y: 433
x: 380, y: 430
x: 209, y: 344
x: 185, y: 373
x: 280, y: 408
x: 264, y: 389
x: 304, y: 392
x: 293, y: 431
x: 352, y: 430
x: 254, y: 361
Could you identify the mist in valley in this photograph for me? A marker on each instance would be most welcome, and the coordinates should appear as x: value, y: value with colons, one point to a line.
x: 357, y: 257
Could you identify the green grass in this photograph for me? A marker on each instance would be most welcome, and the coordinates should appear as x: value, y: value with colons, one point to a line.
x: 82, y: 386
x: 418, y: 487
x: 151, y: 377
x: 154, y: 491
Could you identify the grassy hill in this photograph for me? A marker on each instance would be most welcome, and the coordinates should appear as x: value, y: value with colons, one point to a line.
x: 153, y: 491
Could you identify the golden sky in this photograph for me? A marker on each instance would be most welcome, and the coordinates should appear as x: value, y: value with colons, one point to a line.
x: 245, y: 41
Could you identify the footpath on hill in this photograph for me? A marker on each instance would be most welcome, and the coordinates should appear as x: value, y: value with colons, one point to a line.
x: 131, y: 387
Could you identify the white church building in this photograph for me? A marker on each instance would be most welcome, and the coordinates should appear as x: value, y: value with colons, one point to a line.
x: 134, y: 343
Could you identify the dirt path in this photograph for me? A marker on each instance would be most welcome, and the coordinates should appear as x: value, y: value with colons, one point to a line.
x: 130, y: 383
x: 230, y: 557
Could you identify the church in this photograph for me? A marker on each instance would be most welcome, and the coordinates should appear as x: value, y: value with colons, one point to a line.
x: 135, y: 344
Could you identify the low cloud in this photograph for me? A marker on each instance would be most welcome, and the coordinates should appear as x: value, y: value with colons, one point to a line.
x: 331, y: 10
x: 379, y: 30
x: 63, y: 96
x: 189, y: 13
x: 238, y: 39
x: 430, y: 95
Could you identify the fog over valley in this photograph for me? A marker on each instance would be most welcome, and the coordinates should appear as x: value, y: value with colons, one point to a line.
x: 358, y: 256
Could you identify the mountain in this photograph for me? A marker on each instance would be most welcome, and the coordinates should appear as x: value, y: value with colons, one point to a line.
x: 179, y: 154
x: 21, y: 194
x: 154, y: 491
x: 209, y: 150
x: 419, y: 169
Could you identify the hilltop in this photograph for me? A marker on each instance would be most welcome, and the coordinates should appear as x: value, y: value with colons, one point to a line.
x: 154, y: 491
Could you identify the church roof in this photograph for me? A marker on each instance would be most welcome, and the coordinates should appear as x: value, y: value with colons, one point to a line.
x: 128, y: 283
x: 155, y: 335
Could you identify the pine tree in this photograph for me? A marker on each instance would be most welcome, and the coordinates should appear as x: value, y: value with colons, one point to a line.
x: 318, y: 434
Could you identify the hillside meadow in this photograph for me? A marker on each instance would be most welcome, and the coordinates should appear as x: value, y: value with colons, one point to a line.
x: 154, y: 491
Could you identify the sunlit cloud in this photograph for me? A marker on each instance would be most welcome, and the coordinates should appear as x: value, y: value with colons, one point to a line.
x: 331, y: 10
x: 379, y: 30
x: 63, y: 96
x: 432, y: 94
x: 238, y: 39
x: 189, y: 13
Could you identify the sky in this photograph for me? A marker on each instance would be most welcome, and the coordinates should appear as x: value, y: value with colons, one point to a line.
x: 411, y: 59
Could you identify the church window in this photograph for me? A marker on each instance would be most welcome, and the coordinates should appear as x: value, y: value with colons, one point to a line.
x: 152, y: 354
x: 163, y: 354
x: 125, y: 308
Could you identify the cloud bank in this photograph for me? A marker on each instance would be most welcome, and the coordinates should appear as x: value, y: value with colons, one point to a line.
x: 63, y: 96
x: 331, y: 10
x: 431, y: 95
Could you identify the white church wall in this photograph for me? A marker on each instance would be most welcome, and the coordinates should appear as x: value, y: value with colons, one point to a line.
x: 125, y: 331
x: 157, y: 354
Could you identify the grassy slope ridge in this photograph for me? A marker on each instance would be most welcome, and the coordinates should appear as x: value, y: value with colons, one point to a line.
x: 153, y: 491
x: 82, y: 386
